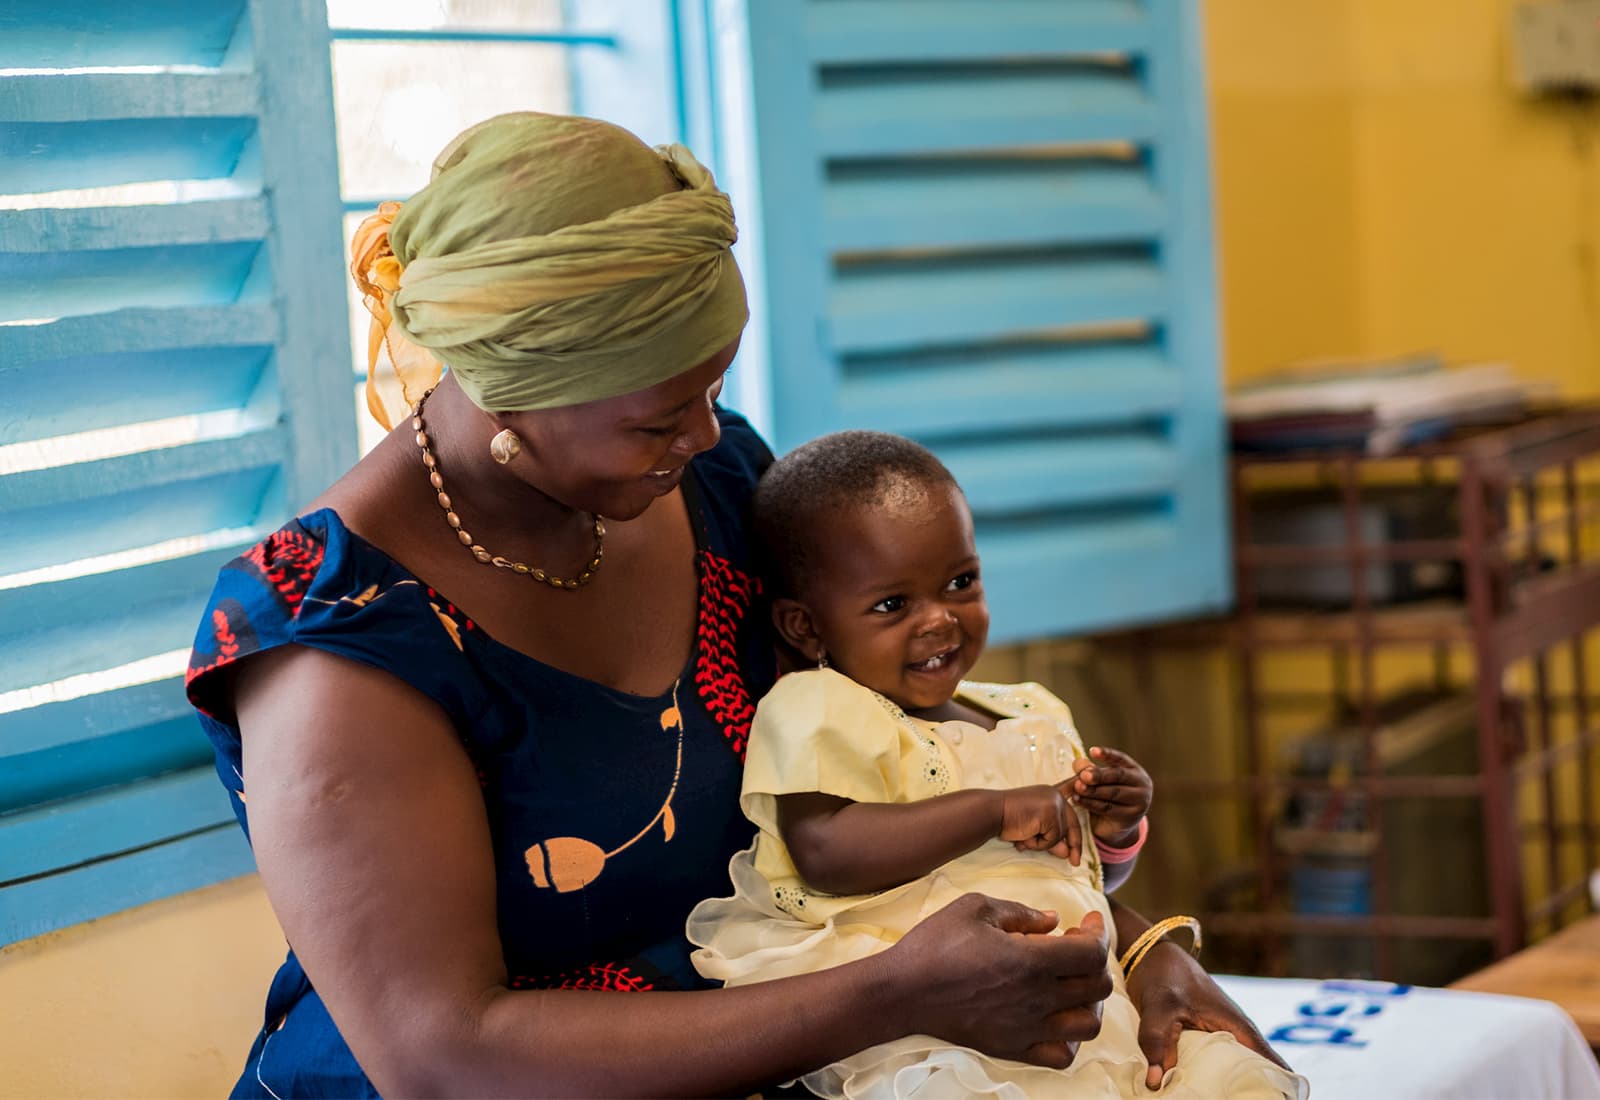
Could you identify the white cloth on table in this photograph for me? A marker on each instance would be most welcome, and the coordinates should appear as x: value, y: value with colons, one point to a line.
x: 1359, y: 1040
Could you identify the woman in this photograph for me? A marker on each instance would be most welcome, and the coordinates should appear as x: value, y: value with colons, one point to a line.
x: 487, y: 698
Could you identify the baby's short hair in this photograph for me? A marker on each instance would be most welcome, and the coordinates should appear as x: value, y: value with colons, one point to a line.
x: 833, y: 472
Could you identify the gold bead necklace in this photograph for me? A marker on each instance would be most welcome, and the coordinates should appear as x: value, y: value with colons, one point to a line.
x: 437, y: 481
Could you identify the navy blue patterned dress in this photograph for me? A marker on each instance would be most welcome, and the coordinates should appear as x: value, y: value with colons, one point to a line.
x: 611, y: 814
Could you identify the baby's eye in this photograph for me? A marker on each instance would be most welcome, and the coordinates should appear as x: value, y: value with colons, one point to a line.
x: 964, y: 581
x: 890, y: 605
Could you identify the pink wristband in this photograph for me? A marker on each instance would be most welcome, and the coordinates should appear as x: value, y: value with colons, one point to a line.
x: 1108, y: 854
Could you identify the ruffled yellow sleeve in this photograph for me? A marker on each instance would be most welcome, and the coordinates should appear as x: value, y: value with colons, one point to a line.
x: 819, y: 731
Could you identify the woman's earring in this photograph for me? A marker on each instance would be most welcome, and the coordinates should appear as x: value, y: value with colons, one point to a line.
x: 822, y: 659
x: 505, y: 446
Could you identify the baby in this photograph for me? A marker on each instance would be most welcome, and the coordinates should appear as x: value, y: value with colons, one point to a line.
x: 885, y: 785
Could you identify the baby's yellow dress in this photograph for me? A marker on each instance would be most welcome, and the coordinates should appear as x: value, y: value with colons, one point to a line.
x: 820, y: 731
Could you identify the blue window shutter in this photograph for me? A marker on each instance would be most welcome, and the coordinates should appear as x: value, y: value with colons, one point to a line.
x: 988, y: 226
x: 195, y: 330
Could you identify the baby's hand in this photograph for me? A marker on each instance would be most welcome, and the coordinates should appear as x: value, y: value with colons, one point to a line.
x: 1116, y: 791
x: 1041, y: 819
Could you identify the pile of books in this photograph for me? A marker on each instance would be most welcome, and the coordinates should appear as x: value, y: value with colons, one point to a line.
x: 1378, y: 407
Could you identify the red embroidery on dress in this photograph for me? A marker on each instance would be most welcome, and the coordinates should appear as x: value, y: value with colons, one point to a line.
x: 607, y: 976
x: 227, y: 640
x: 725, y: 597
x: 289, y: 561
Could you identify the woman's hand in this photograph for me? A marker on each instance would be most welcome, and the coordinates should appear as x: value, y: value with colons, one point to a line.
x: 1116, y: 791
x: 1173, y: 993
x: 981, y: 972
x: 1041, y: 818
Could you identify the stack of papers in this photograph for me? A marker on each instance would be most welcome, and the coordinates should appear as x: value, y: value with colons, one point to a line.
x: 1378, y: 407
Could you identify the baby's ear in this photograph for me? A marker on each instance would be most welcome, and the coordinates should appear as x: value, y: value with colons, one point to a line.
x: 792, y: 619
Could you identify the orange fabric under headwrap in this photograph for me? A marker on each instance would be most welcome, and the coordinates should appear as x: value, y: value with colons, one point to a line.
x: 377, y: 275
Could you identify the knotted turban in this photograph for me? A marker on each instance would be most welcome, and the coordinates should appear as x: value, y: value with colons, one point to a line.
x: 550, y: 261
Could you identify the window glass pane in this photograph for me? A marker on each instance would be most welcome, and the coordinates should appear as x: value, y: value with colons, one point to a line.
x: 500, y: 15
x: 398, y: 104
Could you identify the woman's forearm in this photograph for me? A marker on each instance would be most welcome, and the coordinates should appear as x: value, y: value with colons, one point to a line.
x: 1131, y: 925
x: 717, y: 1042
x: 843, y: 847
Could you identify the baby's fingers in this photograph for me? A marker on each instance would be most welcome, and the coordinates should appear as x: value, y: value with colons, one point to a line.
x: 1109, y: 775
x: 1103, y: 755
x: 1111, y: 795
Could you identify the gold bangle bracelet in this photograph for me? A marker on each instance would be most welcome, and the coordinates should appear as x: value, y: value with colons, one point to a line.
x: 1154, y: 935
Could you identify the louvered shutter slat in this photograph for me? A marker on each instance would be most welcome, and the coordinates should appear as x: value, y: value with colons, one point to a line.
x: 52, y: 34
x: 113, y: 103
x: 131, y: 331
x: 173, y: 382
x: 846, y: 31
x: 1020, y: 387
x: 866, y: 112
x: 130, y: 630
x: 918, y: 204
x: 58, y: 156
x: 1011, y: 476
x: 82, y: 602
x: 161, y: 809
x: 54, y: 740
x: 135, y: 473
x: 214, y: 221
x: 32, y: 907
x: 907, y: 304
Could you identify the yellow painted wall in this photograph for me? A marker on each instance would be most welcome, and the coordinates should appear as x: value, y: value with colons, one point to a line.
x: 1480, y: 207
x: 1380, y: 188
x: 160, y: 1001
x: 1284, y: 160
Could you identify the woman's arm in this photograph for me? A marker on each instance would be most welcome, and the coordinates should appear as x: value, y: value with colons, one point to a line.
x: 845, y: 847
x: 1172, y: 992
x: 369, y: 829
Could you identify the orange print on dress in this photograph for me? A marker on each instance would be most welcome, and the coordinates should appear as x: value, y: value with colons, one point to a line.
x: 570, y: 863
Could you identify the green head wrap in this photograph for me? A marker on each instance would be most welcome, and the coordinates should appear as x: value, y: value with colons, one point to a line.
x: 555, y: 260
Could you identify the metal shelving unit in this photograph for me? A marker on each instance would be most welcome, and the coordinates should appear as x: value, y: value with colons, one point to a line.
x: 1525, y: 501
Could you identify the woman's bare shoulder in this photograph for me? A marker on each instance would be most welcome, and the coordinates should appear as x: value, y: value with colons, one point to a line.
x: 376, y: 499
